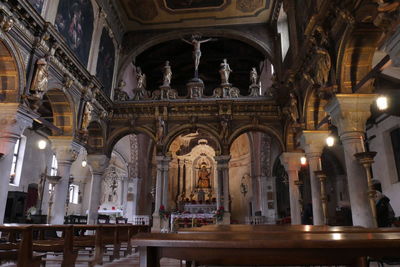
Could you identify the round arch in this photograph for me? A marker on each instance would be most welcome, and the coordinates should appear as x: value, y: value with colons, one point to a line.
x: 62, y: 106
x: 121, y: 132
x: 11, y: 72
x: 176, y: 132
x: 264, y: 45
x: 313, y: 109
x: 257, y: 128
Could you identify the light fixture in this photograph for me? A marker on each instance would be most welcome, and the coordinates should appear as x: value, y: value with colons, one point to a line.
x: 382, y: 102
x: 330, y: 141
x: 42, y: 144
x: 84, y: 163
x: 303, y: 160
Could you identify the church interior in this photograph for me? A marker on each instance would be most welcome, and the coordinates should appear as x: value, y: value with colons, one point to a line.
x: 204, y: 132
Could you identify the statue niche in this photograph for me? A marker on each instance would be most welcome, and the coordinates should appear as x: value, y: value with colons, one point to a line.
x: 204, y: 176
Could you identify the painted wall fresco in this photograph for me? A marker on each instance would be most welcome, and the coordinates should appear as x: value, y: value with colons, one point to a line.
x: 74, y: 20
x: 105, y: 61
x: 37, y: 4
x: 185, y: 4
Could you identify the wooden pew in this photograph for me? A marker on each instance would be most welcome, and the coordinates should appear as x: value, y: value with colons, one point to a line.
x: 63, y: 245
x: 19, y: 251
x: 264, y: 248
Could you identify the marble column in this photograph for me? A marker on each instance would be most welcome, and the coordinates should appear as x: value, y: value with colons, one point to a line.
x: 291, y: 162
x: 132, y: 197
x: 14, y: 120
x: 313, y: 142
x: 159, y: 184
x: 98, y: 164
x: 165, y: 175
x: 66, y: 151
x: 262, y: 191
x: 223, y: 172
x: 349, y: 113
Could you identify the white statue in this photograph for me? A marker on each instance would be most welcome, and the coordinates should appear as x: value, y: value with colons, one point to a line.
x: 196, y: 42
x: 140, y: 78
x: 167, y: 74
x: 253, y: 76
x: 225, y: 71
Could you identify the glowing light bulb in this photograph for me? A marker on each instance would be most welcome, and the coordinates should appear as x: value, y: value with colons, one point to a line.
x: 382, y: 102
x: 303, y: 160
x: 330, y: 141
x: 42, y: 144
x: 84, y: 163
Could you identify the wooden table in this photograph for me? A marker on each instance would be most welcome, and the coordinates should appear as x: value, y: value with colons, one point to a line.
x: 273, y: 248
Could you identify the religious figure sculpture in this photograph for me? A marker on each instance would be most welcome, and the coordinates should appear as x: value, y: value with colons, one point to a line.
x: 120, y: 95
x: 41, y: 78
x: 253, y: 76
x: 225, y: 71
x: 140, y: 78
x: 224, y: 129
x: 160, y: 130
x: 87, y: 115
x: 323, y: 66
x: 196, y: 42
x: 204, y: 177
x: 293, y: 108
x: 167, y: 74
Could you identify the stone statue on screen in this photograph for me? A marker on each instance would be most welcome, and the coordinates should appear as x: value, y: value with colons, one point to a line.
x: 167, y: 74
x: 140, y: 79
x: 204, y: 177
x: 225, y: 71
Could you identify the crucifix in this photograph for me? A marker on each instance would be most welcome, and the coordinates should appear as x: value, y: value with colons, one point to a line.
x: 196, y: 42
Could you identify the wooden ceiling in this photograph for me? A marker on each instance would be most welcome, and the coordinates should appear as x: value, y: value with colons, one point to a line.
x: 170, y: 14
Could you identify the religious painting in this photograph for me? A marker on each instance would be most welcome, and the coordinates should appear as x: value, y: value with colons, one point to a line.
x: 105, y: 61
x: 191, y: 4
x: 204, y: 176
x: 37, y: 4
x: 74, y: 20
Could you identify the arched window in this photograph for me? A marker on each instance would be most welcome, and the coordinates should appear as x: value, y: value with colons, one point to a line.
x: 18, y: 157
x: 283, y: 30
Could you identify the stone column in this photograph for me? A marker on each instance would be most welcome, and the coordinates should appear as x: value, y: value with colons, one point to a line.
x: 165, y: 195
x: 349, y: 113
x: 291, y: 162
x: 133, y: 188
x: 66, y: 151
x: 313, y: 142
x: 98, y: 164
x: 262, y: 189
x: 13, y: 122
x: 223, y: 173
x: 156, y: 215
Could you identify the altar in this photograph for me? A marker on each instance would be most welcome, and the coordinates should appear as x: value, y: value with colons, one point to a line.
x: 185, y: 220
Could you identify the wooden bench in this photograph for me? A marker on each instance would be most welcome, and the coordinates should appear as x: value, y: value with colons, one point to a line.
x: 16, y: 249
x: 269, y: 248
x: 48, y: 242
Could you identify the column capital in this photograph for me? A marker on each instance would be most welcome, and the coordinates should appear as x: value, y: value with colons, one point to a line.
x: 14, y: 119
x: 65, y: 148
x: 349, y: 112
x: 98, y: 163
x: 222, y: 161
x: 291, y: 160
x: 313, y: 142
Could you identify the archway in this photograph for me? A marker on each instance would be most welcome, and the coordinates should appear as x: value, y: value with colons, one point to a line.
x: 9, y: 76
x: 252, y: 184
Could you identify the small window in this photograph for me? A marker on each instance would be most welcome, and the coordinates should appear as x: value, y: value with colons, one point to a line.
x: 17, y: 160
x: 54, y: 166
x: 395, y: 136
x: 73, y: 193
